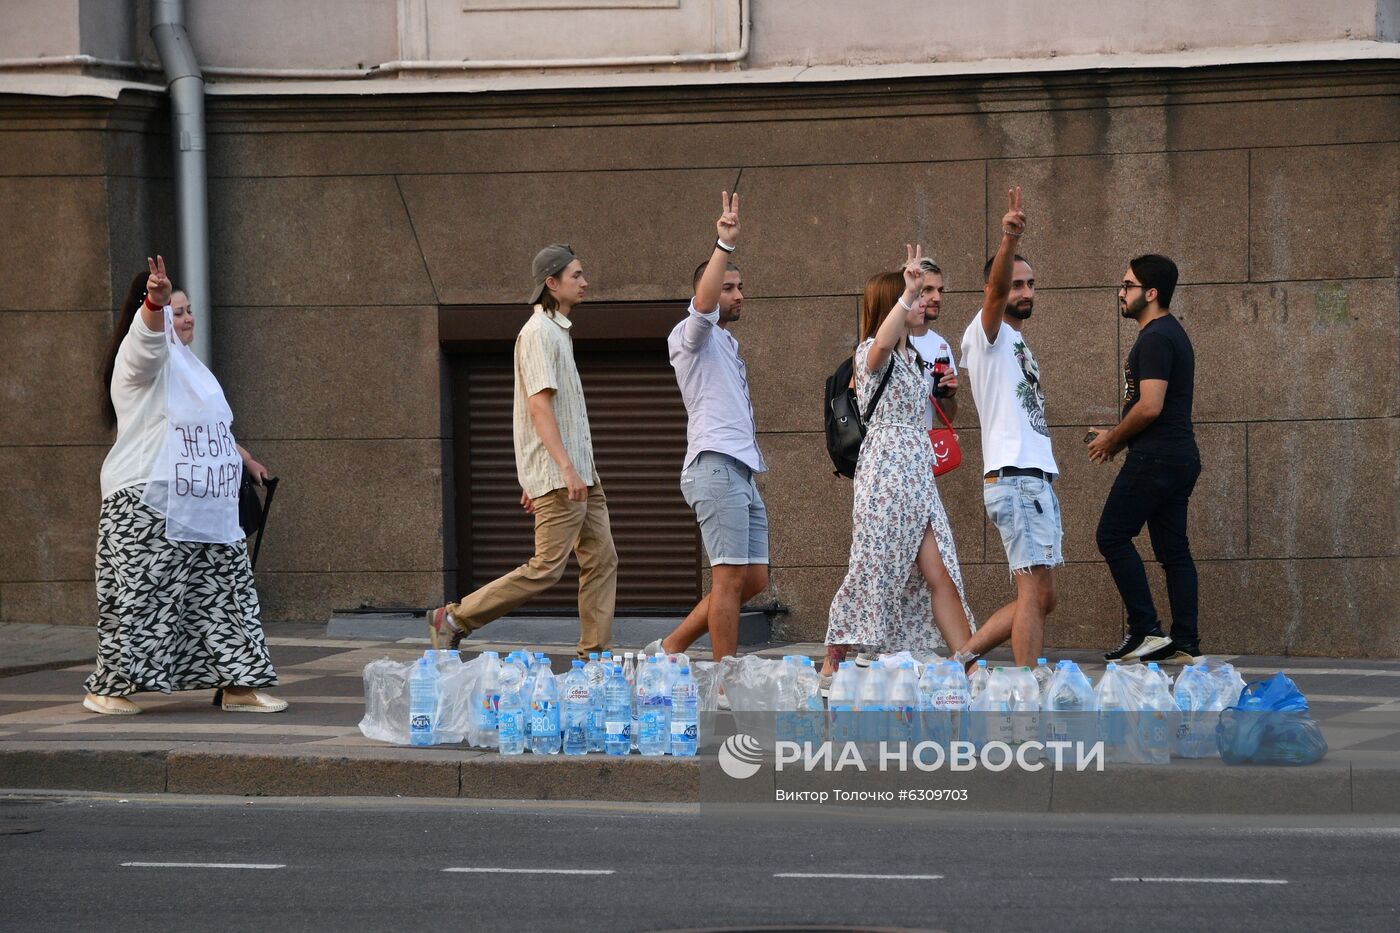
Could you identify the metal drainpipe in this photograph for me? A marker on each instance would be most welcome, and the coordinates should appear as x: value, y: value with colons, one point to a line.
x: 191, y: 184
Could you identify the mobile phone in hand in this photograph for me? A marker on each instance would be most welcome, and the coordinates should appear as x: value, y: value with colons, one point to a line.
x: 1090, y: 435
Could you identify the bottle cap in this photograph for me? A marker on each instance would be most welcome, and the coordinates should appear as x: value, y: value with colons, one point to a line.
x: 981, y: 662
x: 577, y: 664
x: 1040, y: 661
x: 592, y: 655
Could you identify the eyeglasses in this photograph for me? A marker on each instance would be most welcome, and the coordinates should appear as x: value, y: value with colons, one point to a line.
x: 1129, y: 286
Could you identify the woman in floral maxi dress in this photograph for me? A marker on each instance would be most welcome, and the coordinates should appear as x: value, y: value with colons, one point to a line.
x: 899, y: 524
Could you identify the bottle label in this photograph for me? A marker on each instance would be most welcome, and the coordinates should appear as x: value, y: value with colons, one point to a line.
x: 683, y: 730
x: 618, y: 728
x: 576, y: 694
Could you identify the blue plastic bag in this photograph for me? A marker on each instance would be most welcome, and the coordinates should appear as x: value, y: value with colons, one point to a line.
x: 1270, y: 725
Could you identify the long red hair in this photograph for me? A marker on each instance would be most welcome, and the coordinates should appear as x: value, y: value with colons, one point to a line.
x: 882, y: 292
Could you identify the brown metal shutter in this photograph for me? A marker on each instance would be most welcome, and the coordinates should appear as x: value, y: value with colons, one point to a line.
x: 638, y: 423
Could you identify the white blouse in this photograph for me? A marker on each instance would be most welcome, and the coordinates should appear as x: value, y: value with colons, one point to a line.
x: 138, y: 395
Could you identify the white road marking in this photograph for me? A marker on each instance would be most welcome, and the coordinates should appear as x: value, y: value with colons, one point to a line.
x: 1205, y: 880
x: 805, y: 874
x: 536, y: 871
x: 198, y: 865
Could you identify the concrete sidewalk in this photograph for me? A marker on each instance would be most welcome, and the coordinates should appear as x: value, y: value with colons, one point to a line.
x: 181, y: 745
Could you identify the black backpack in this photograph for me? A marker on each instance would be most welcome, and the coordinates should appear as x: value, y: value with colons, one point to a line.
x: 845, y: 426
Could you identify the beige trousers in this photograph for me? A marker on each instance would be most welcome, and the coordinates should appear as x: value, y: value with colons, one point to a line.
x: 561, y: 526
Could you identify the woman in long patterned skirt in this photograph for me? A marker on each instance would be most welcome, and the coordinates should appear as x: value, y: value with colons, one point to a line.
x: 899, y: 524
x: 172, y: 613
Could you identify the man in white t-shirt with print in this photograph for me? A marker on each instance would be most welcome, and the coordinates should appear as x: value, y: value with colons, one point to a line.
x: 940, y: 371
x: 1017, y: 462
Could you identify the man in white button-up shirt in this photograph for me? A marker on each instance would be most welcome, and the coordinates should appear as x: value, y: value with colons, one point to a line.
x: 722, y: 452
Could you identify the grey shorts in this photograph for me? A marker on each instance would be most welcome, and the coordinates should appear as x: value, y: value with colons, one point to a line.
x: 733, y: 520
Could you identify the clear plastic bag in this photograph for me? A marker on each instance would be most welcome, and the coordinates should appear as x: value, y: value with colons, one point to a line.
x: 751, y: 686
x: 386, y: 703
x: 894, y: 660
x: 706, y: 674
x: 1226, y: 680
x: 1136, y: 734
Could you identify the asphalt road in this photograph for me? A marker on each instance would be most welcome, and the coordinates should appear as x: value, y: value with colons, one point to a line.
x: 103, y: 862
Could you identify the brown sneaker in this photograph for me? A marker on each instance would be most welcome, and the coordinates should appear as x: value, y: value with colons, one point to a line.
x: 110, y: 706
x: 442, y: 630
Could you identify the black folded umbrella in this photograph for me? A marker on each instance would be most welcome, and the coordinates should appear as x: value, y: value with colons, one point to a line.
x: 253, y: 509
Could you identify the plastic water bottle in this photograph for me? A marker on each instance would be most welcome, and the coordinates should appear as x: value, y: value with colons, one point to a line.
x: 544, y: 715
x: 629, y: 672
x: 1069, y: 707
x: 992, y: 710
x: 956, y: 699
x: 1043, y: 673
x: 785, y: 716
x: 944, y: 698
x: 670, y: 666
x: 617, y: 715
x: 1195, y: 734
x: 841, y: 704
x: 872, y: 702
x: 903, y: 704
x: 1157, y: 720
x: 510, y: 714
x: 597, y: 675
x: 812, y: 712
x: 1025, y: 706
x: 1112, y: 702
x: 652, y: 707
x: 933, y: 727
x: 1156, y: 668
x: 444, y: 659
x: 422, y: 702
x: 977, y: 680
x: 577, y: 710
x: 488, y: 697
x: 685, y: 718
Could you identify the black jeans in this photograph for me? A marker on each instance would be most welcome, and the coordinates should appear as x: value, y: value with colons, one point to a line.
x: 1155, y: 491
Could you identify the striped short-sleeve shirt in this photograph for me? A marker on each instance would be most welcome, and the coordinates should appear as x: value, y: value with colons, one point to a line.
x: 544, y: 359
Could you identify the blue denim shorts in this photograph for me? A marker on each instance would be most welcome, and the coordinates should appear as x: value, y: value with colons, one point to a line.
x: 733, y: 520
x: 1026, y: 511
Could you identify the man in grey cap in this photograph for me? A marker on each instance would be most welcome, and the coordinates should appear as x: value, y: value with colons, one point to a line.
x: 554, y: 463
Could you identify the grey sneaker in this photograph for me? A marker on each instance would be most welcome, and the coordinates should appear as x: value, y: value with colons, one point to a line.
x: 653, y: 648
x: 1135, y: 646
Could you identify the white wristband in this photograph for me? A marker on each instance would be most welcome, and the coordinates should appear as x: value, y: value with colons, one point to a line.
x: 905, y: 305
x: 723, y: 245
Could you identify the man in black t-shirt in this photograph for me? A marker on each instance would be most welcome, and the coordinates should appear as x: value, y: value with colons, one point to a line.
x: 1154, y: 486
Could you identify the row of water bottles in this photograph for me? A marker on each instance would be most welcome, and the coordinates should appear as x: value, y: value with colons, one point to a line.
x: 648, y: 705
x: 1137, y: 713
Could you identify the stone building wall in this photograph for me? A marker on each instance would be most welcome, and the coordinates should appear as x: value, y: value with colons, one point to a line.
x: 341, y: 224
